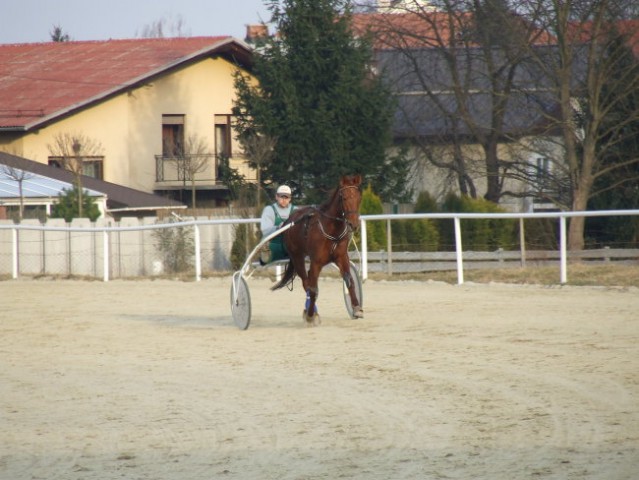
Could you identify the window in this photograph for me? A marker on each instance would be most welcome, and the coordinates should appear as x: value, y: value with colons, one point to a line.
x: 173, y: 136
x: 542, y: 173
x: 223, y: 136
x: 92, y: 165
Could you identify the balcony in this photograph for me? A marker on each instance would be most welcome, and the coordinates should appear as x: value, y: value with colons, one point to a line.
x: 179, y: 172
x: 174, y: 173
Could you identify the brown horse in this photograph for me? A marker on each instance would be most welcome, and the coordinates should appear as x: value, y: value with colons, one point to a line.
x: 322, y: 235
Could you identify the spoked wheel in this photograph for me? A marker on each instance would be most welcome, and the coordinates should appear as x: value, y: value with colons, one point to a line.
x: 357, y: 285
x: 240, y: 302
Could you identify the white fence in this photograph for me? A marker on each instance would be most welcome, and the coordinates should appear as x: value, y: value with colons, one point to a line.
x: 130, y: 248
x: 107, y: 250
x: 562, y: 218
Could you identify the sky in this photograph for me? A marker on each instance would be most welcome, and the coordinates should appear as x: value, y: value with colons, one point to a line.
x: 26, y: 21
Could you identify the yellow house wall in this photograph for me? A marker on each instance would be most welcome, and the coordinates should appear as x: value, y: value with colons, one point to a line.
x: 198, y: 92
x: 105, y: 124
x: 129, y: 126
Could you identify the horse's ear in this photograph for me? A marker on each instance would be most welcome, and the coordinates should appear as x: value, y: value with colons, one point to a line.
x: 351, y: 180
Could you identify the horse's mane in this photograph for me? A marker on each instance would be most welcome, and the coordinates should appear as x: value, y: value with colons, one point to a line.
x: 327, y: 203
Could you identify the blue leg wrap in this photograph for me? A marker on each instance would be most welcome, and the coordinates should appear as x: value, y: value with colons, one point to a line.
x: 308, y: 302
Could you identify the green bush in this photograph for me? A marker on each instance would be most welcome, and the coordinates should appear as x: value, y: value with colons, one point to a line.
x: 176, y: 245
x: 245, y: 240
x: 477, y: 234
x: 541, y: 233
x: 425, y: 203
x: 67, y: 206
x: 376, y: 229
x: 423, y: 234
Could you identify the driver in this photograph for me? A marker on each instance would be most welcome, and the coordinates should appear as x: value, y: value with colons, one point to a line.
x: 273, y: 216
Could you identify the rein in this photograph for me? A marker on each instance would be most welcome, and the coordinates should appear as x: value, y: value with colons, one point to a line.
x: 347, y: 228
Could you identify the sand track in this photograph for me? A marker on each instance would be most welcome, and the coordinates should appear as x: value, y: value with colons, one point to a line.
x: 151, y: 380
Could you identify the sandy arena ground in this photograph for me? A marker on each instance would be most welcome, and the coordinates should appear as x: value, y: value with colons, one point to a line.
x: 152, y: 380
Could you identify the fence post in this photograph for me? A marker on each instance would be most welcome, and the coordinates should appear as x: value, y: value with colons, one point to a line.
x: 105, y: 255
x: 14, y: 253
x: 198, y: 260
x: 389, y: 247
x: 563, y: 263
x: 364, y: 250
x: 458, y: 251
x: 522, y: 243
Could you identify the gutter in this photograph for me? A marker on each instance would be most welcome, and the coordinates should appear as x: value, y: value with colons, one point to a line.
x: 135, y: 209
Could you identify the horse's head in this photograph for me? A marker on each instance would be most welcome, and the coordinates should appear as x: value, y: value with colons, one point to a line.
x: 350, y: 197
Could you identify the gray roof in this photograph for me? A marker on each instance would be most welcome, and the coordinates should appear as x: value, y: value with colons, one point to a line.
x: 41, y: 180
x: 427, y: 106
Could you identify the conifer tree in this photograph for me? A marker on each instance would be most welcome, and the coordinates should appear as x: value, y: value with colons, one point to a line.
x: 318, y: 97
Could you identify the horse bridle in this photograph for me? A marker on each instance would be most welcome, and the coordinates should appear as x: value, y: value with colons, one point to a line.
x: 347, y: 227
x: 345, y: 213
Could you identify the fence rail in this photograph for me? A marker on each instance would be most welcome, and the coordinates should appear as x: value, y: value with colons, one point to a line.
x: 421, y: 262
x: 132, y: 248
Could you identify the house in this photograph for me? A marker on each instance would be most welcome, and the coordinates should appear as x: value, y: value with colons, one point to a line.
x: 448, y: 107
x: 37, y: 187
x: 151, y: 114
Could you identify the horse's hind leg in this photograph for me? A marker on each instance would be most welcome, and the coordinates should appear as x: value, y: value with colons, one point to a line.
x: 310, y: 315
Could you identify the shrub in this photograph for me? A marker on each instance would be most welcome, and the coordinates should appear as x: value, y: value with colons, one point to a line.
x: 245, y: 240
x: 176, y: 245
x: 67, y: 206
x: 376, y: 229
x: 477, y: 234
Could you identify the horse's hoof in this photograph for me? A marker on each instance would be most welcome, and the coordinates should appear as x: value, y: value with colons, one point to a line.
x: 358, y: 312
x: 311, y: 321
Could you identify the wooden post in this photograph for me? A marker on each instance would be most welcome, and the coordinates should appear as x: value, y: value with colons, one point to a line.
x: 522, y: 243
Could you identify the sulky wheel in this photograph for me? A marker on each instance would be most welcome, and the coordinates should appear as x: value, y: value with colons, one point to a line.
x: 240, y: 302
x: 357, y: 285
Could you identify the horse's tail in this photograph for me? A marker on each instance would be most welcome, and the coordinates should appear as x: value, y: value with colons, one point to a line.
x: 288, y: 277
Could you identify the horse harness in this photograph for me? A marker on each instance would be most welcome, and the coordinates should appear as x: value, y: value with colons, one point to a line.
x: 347, y: 232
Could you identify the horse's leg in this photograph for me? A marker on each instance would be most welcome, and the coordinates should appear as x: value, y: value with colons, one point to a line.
x: 344, y: 266
x: 300, y: 268
x: 312, y: 291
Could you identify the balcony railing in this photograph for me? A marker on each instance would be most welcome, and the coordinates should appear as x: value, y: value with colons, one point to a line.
x: 203, y: 169
x: 176, y: 171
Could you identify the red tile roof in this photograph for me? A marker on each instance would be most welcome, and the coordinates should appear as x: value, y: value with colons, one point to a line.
x: 628, y: 28
x: 425, y: 29
x: 40, y: 81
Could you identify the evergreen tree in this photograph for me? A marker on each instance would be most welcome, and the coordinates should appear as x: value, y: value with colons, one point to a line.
x: 68, y: 208
x: 58, y: 35
x: 317, y: 96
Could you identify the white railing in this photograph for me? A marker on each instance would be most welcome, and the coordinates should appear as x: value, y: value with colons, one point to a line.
x: 101, y: 253
x: 106, y: 244
x: 457, y: 217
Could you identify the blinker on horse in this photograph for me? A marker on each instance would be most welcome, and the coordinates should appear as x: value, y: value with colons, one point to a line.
x: 322, y: 234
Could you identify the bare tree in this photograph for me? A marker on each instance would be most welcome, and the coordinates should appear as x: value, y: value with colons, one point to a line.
x: 193, y: 159
x: 259, y: 150
x: 18, y: 175
x: 166, y: 27
x: 455, y: 71
x: 589, y: 86
x: 71, y: 151
x: 557, y: 63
